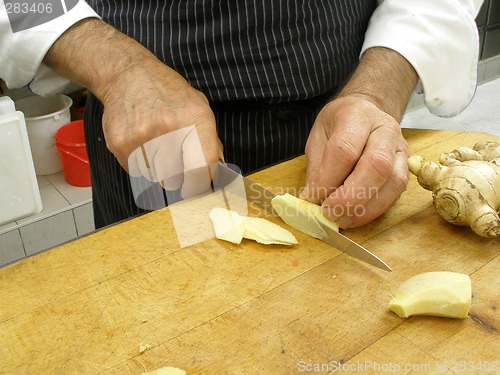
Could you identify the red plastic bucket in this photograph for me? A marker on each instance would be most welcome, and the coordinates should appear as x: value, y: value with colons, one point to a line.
x: 70, y: 142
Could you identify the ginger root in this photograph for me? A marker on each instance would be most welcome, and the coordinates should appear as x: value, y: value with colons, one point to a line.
x: 465, y: 186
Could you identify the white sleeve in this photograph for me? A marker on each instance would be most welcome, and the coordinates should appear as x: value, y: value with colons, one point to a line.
x: 439, y: 38
x: 22, y: 51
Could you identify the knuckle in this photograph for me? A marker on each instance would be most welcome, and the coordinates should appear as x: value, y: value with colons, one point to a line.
x: 141, y: 134
x: 202, y: 113
x: 165, y: 120
x: 400, y: 181
x: 344, y: 151
x: 115, y: 142
x: 382, y: 163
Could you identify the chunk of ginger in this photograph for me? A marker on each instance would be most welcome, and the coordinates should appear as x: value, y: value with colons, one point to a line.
x: 228, y: 225
x: 445, y: 294
x: 302, y: 215
x: 232, y: 227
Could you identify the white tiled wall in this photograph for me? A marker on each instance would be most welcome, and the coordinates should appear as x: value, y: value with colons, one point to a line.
x: 84, y: 219
x: 51, y: 231
x: 489, y: 69
x: 67, y: 214
x: 11, y: 245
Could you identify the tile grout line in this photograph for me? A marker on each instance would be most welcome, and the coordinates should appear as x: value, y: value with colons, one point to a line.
x: 47, y: 216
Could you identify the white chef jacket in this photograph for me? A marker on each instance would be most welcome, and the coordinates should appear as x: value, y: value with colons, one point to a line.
x: 438, y: 37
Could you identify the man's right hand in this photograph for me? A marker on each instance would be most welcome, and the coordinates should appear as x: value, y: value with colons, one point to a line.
x: 143, y: 100
x: 158, y: 126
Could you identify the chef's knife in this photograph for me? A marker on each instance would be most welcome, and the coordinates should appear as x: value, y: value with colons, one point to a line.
x: 261, y: 197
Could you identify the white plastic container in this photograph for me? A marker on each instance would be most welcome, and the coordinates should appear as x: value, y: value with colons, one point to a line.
x: 19, y: 192
x: 44, y: 116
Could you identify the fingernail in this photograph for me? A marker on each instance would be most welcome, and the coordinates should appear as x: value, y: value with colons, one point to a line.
x: 344, y: 222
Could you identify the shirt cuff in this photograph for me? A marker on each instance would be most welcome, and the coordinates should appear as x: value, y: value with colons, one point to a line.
x: 440, y: 40
x: 23, y: 51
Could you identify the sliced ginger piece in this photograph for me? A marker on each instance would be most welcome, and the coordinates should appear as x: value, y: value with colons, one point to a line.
x: 267, y: 232
x: 232, y: 227
x: 228, y: 225
x: 302, y: 215
x: 445, y: 294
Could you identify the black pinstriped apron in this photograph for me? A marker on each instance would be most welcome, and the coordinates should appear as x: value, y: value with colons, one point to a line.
x: 266, y: 66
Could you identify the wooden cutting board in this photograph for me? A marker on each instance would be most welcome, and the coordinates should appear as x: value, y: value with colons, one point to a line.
x: 128, y: 299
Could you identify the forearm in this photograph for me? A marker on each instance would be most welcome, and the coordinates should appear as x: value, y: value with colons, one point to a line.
x: 385, y: 78
x: 94, y: 54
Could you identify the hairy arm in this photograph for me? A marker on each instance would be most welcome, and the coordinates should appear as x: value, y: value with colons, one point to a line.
x: 94, y: 54
x: 143, y: 100
x: 385, y: 78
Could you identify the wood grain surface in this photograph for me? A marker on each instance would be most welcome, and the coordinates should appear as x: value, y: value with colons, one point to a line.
x: 128, y: 299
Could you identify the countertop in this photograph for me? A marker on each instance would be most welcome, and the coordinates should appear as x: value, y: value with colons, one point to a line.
x: 128, y: 299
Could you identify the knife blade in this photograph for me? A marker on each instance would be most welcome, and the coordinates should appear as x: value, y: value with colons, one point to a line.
x: 261, y: 197
x: 353, y: 249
